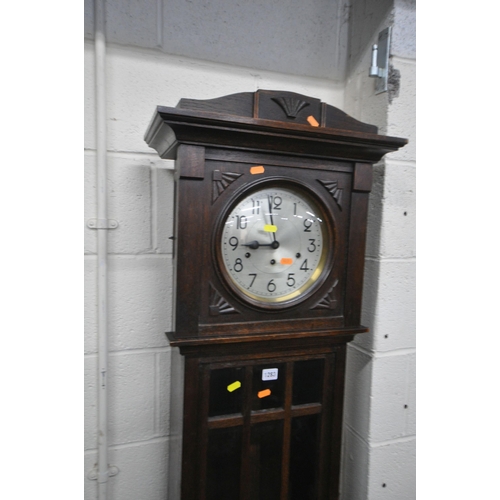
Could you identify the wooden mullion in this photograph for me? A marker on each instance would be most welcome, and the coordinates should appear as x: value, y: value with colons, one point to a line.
x: 225, y: 422
x: 336, y: 420
x: 306, y: 409
x: 261, y: 416
x: 247, y: 435
x: 325, y: 426
x: 190, y: 469
x: 205, y: 384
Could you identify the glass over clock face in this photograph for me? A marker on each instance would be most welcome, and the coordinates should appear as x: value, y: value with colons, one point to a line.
x: 274, y: 246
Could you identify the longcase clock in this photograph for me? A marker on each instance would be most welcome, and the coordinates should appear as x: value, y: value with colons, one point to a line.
x: 270, y: 225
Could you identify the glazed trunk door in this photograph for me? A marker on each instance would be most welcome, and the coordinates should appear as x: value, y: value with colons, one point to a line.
x: 266, y: 429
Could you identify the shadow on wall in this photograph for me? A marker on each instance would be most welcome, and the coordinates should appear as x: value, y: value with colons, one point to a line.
x: 367, y: 18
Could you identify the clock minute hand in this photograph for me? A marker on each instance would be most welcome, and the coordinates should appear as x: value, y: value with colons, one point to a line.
x: 269, y: 199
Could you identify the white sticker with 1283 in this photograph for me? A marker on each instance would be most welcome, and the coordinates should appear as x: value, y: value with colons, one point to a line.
x: 270, y: 374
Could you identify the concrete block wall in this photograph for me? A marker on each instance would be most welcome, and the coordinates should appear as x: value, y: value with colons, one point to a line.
x: 380, y: 422
x: 291, y: 37
x: 144, y: 69
x: 140, y: 187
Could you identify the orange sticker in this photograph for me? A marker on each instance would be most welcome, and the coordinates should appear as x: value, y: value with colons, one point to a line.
x: 264, y: 393
x: 286, y: 260
x: 258, y: 169
x: 312, y: 121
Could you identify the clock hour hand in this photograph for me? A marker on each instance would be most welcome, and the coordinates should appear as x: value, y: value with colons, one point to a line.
x: 255, y: 244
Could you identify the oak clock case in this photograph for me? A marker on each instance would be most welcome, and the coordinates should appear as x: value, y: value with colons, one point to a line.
x: 274, y: 245
x: 230, y: 289
x: 268, y: 266
x: 271, y: 209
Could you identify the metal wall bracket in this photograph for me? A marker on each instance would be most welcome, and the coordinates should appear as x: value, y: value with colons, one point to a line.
x: 102, y: 224
x: 379, y: 68
x: 93, y: 475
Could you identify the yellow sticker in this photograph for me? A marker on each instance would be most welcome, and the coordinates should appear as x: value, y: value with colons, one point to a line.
x: 235, y: 385
x: 286, y: 261
x: 269, y: 228
x: 258, y: 169
x: 312, y: 121
x: 264, y: 393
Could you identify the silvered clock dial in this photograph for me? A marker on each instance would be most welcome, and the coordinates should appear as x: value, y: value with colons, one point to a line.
x: 274, y: 245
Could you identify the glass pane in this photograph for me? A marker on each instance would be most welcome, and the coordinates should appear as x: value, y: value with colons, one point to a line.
x: 308, y: 381
x: 304, y: 454
x: 268, y: 386
x: 226, y: 392
x: 265, y: 460
x: 224, y: 464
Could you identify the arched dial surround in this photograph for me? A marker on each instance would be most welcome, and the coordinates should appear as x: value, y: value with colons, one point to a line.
x: 274, y: 245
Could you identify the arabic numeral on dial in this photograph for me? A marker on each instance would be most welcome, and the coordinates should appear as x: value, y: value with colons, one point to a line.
x: 290, y: 280
x: 241, y: 222
x: 277, y: 200
x: 271, y: 286
x: 307, y: 225
x: 238, y: 265
x: 312, y: 245
x: 304, y: 267
x: 255, y: 206
x: 253, y: 279
x: 233, y: 241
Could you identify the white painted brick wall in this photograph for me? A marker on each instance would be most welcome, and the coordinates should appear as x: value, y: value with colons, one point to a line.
x: 389, y: 305
x: 291, y: 37
x: 392, y: 471
x: 401, y: 115
x: 391, y: 398
x: 133, y: 22
x: 129, y: 201
x: 140, y: 301
x: 392, y: 215
x: 358, y: 394
x: 379, y: 453
x: 355, y: 466
x: 149, y: 77
x: 143, y: 471
x: 138, y: 406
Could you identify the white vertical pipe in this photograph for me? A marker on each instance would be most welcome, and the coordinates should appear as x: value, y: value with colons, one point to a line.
x: 102, y: 250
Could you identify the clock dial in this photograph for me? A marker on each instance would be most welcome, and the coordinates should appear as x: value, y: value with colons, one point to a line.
x: 274, y: 245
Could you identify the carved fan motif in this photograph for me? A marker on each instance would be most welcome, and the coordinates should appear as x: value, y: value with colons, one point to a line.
x: 219, y: 305
x: 334, y: 190
x: 329, y: 301
x: 221, y: 180
x: 290, y: 105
